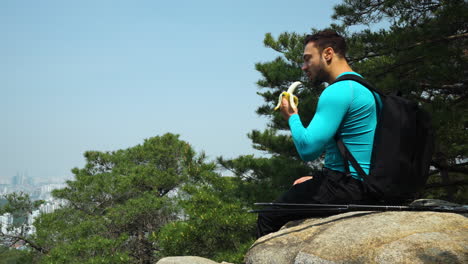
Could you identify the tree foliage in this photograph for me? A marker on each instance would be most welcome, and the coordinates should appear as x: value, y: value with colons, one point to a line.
x: 115, y: 203
x: 9, y: 256
x: 140, y: 204
x: 215, y: 222
x: 19, y: 206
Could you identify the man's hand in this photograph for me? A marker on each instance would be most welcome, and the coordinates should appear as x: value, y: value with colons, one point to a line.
x: 286, y: 109
x: 303, y: 179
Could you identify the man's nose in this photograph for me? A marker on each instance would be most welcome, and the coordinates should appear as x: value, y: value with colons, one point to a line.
x: 304, y: 67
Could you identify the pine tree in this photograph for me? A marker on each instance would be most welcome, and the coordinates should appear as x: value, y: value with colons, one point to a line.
x: 137, y: 205
x: 117, y: 201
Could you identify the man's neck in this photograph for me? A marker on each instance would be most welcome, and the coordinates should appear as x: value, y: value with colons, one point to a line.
x: 339, y: 69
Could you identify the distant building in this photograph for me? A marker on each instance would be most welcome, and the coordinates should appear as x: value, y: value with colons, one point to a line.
x: 46, y: 208
x: 4, y: 189
x: 46, y: 190
x: 30, y: 181
x: 5, y: 221
x: 15, y: 180
x: 21, y: 179
x: 21, y: 183
x: 33, y: 217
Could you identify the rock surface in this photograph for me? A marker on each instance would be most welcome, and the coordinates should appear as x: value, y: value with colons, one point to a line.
x: 367, y: 237
x: 187, y: 260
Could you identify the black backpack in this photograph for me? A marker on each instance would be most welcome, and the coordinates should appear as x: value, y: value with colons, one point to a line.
x: 402, y: 150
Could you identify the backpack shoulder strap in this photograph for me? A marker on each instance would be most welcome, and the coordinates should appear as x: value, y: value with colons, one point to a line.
x: 356, y: 78
x: 347, y: 156
x: 365, y: 83
x: 345, y: 153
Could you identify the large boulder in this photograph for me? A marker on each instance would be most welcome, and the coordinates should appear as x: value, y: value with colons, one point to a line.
x: 367, y: 237
x: 187, y: 260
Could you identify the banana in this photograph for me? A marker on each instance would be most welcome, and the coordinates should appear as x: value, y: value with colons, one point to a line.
x: 293, y: 100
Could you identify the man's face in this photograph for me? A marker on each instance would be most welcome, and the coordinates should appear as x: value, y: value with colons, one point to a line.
x: 313, y: 64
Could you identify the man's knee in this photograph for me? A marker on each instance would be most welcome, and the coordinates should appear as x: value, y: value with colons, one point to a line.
x: 268, y: 223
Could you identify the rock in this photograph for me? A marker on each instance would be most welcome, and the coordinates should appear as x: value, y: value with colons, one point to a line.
x: 432, y: 202
x: 367, y: 237
x: 186, y: 260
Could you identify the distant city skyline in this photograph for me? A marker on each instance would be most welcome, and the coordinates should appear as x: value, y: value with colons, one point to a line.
x: 41, y: 192
x: 25, y: 178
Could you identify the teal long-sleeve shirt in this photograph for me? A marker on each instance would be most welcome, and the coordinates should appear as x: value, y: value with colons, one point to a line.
x: 346, y: 101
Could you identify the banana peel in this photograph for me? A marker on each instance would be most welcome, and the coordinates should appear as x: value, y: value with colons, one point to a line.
x: 293, y: 100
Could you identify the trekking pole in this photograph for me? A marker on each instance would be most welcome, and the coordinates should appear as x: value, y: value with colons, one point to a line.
x: 338, y: 208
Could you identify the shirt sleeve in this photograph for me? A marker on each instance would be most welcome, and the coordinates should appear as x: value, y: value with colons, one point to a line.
x: 332, y: 106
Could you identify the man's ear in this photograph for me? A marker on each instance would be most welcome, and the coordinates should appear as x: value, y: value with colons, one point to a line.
x: 328, y: 54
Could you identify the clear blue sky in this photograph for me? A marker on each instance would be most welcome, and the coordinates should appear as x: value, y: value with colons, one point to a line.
x: 104, y: 75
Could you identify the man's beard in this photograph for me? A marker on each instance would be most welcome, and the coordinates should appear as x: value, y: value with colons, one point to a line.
x: 321, y: 76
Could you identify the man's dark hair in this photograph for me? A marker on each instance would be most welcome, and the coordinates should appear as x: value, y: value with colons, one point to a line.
x: 328, y: 38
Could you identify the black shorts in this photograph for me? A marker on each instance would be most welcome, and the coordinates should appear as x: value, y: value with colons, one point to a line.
x: 328, y: 187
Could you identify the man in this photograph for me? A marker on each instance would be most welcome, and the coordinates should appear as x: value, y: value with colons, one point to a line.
x: 345, y: 108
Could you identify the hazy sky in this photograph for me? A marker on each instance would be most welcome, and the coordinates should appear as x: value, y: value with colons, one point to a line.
x: 105, y: 75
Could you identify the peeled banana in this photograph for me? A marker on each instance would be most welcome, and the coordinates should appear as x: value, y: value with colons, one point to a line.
x: 293, y: 100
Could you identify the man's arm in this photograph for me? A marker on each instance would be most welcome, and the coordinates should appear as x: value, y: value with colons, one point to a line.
x: 331, y: 108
